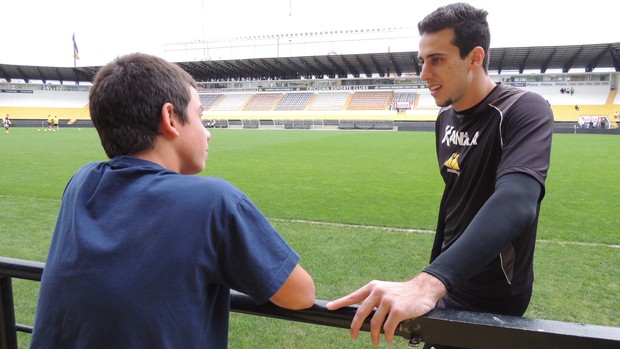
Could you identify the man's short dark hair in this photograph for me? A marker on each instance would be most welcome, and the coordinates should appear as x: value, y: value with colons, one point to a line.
x: 470, y: 27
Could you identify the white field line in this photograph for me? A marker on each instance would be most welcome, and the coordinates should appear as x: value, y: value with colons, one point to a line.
x: 422, y: 231
x: 5, y: 196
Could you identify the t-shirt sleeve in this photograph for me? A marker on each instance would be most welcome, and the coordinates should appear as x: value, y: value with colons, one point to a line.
x: 526, y: 134
x: 253, y: 257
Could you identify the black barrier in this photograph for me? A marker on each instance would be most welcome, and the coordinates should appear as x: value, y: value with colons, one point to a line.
x: 447, y: 327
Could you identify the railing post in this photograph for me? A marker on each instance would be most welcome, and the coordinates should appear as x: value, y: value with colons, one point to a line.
x: 8, y: 335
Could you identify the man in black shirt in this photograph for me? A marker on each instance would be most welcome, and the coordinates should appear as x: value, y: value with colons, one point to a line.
x: 493, y: 147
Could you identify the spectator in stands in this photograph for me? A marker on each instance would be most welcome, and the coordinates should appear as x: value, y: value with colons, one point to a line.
x: 144, y: 253
x: 7, y: 123
x: 493, y: 144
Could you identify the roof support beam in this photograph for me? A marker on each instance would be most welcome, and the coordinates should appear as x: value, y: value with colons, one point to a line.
x: 365, y: 69
x: 501, y: 61
x: 566, y: 68
x: 547, y: 61
x: 595, y: 62
x: 310, y: 68
x: 339, y: 70
x: 298, y: 68
x: 416, y: 63
x: 395, y: 65
x: 352, y: 70
x: 615, y: 57
x: 378, y: 67
x: 524, y: 62
x: 323, y: 67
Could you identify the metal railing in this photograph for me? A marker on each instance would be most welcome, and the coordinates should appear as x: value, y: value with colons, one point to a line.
x: 446, y: 327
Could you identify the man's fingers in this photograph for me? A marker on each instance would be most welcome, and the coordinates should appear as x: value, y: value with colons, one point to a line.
x: 389, y: 327
x: 360, y: 316
x: 337, y: 304
x: 341, y: 302
x: 350, y: 299
x: 376, y: 323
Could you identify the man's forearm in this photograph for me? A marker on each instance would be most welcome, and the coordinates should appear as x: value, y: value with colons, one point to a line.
x: 502, y: 218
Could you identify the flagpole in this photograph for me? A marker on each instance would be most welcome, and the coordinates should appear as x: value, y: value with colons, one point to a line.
x: 75, y: 52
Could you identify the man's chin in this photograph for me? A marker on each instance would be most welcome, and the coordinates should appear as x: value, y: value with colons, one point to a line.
x: 444, y: 103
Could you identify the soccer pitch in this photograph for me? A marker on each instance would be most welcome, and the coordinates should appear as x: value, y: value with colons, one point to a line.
x: 356, y: 205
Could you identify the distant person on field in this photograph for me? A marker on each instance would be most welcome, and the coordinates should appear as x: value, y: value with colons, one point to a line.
x: 56, y: 123
x: 493, y: 144
x: 49, y: 122
x: 7, y: 123
x: 145, y: 252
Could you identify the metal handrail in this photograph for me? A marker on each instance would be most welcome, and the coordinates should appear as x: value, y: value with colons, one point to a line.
x: 445, y: 327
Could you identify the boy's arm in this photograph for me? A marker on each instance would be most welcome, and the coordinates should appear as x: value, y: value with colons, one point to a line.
x: 297, y: 292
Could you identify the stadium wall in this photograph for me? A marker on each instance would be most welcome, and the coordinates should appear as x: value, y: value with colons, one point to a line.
x: 38, y: 104
x: 72, y: 106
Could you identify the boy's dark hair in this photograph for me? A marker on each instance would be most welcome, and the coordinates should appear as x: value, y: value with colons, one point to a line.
x: 469, y: 24
x: 127, y: 97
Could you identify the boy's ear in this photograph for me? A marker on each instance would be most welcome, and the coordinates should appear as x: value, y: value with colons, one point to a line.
x: 168, y: 121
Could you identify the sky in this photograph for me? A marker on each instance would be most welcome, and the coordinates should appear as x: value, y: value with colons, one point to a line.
x: 39, y: 32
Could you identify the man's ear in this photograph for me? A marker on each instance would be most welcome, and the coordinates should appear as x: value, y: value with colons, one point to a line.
x: 168, y: 121
x: 477, y: 56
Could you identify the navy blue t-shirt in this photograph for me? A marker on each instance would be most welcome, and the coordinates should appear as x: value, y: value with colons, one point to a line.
x: 144, y: 257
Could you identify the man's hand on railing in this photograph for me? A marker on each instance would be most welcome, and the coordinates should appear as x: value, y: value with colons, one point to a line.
x: 392, y: 303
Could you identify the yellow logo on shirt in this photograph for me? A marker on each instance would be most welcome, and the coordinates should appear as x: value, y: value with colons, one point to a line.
x: 452, y: 164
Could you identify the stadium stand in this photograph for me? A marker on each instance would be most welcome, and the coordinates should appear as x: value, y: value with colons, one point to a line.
x: 406, y: 98
x: 370, y: 100
x: 295, y: 101
x: 27, y: 103
x: 425, y: 101
x: 209, y: 100
x: 232, y: 101
x: 330, y: 101
x: 263, y: 101
x: 586, y: 95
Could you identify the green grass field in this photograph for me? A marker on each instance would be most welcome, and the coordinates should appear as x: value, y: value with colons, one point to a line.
x: 349, y: 203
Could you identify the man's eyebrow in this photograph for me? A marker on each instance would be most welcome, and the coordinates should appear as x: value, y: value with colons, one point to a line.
x: 432, y: 55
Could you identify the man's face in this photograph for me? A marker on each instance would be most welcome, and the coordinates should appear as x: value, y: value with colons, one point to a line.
x: 447, y: 75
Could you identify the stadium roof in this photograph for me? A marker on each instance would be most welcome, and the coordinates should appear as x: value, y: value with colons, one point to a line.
x: 511, y: 59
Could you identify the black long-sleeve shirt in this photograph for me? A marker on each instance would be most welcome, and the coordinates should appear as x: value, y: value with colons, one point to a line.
x: 494, y: 159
